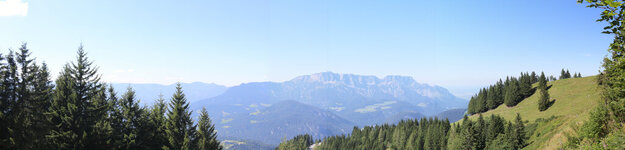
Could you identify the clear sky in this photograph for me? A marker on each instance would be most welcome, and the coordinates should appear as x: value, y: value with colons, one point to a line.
x: 460, y: 45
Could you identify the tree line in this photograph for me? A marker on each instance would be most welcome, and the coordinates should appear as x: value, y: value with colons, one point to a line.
x: 512, y: 91
x: 509, y: 92
x: 431, y: 134
x: 79, y: 111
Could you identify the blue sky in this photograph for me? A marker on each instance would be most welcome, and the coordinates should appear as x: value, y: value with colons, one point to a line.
x: 460, y: 45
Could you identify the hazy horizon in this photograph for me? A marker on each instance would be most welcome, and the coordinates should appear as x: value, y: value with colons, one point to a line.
x: 462, y: 46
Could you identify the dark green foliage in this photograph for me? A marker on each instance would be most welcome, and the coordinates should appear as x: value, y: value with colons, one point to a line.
x: 565, y: 74
x: 132, y: 121
x: 25, y: 95
x: 156, y: 125
x: 79, y: 112
x: 115, y: 118
x: 609, y: 118
x: 487, y: 133
x: 596, y: 127
x: 179, y: 126
x: 518, y: 133
x: 543, y: 101
x: 300, y: 142
x: 206, y: 134
x: 407, y: 134
x: 509, y: 92
x: 78, y: 106
x: 512, y: 93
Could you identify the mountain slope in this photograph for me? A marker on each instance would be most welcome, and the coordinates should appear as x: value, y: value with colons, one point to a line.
x: 148, y: 93
x: 284, y: 119
x: 361, y: 100
x: 346, y: 94
x: 574, y: 98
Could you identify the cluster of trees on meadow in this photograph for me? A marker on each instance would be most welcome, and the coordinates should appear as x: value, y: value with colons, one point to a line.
x: 512, y: 91
x: 566, y: 74
x: 79, y: 111
x: 509, y: 92
x: 431, y: 134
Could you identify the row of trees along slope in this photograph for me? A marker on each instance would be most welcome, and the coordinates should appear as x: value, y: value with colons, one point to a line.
x: 432, y: 134
x: 510, y: 92
x: 81, y: 112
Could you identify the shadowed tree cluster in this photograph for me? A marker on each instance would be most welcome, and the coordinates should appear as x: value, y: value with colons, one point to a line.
x: 81, y: 112
x: 509, y: 92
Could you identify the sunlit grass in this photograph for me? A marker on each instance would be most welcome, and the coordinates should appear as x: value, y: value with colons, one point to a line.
x: 574, y: 98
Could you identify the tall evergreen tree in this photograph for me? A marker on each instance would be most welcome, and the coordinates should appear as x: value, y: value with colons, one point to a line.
x: 4, y: 106
x: 512, y: 93
x: 543, y: 101
x: 10, y: 82
x: 525, y: 86
x: 179, y: 126
x: 156, y: 125
x: 78, y: 105
x: 519, y: 132
x: 41, y: 100
x: 115, y: 118
x: 31, y: 87
x: 206, y: 134
x: 534, y: 77
x: 131, y: 120
x: 562, y: 74
x: 491, y: 101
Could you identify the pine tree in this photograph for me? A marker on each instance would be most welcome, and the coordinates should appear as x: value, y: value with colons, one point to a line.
x: 4, y: 106
x: 480, y: 136
x: 10, y: 98
x: 78, y: 106
x: 525, y: 85
x: 512, y: 93
x: 519, y: 132
x: 543, y: 101
x: 567, y: 74
x: 115, y: 118
x: 179, y: 126
x: 562, y: 74
x: 42, y: 98
x: 534, y: 77
x: 65, y: 115
x: 495, y: 127
x: 31, y: 97
x: 156, y: 125
x: 206, y: 134
x: 131, y: 120
x: 491, y: 101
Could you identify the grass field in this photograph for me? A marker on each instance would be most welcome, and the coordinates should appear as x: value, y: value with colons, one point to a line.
x: 574, y: 98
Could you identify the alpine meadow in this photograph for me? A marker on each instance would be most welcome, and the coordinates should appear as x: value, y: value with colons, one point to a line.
x: 312, y: 75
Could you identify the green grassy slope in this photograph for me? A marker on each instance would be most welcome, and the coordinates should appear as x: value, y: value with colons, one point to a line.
x: 574, y: 98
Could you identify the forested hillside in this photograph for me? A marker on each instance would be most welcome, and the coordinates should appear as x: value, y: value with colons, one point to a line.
x: 78, y: 111
x: 572, y: 101
x: 516, y: 127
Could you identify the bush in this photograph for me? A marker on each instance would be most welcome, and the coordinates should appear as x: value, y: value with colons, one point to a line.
x: 596, y: 127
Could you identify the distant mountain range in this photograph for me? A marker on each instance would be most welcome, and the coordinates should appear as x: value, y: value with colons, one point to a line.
x: 320, y: 104
x: 285, y: 119
x: 148, y: 93
x: 361, y: 100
